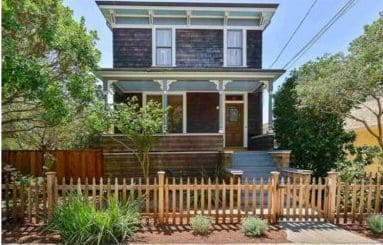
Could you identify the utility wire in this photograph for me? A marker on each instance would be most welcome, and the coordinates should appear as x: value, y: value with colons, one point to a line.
x: 294, y: 32
x: 323, y: 30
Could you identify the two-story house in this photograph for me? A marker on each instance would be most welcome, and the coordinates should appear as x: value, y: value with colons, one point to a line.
x: 204, y: 60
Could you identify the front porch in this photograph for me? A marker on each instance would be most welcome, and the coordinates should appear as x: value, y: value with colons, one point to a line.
x: 204, y: 101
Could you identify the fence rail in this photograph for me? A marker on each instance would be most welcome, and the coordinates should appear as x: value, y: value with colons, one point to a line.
x: 175, y: 201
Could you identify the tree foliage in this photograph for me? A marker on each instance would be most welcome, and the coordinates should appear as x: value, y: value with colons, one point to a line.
x: 315, y: 139
x: 339, y: 83
x: 137, y: 124
x: 352, y: 169
x: 47, y: 65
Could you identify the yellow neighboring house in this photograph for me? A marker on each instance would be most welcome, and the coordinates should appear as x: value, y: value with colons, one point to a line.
x: 363, y: 137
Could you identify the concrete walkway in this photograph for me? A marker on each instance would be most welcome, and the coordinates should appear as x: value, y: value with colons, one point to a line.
x: 321, y: 233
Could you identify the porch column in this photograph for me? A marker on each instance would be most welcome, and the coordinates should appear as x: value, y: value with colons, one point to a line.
x: 109, y: 92
x: 221, y: 116
x: 165, y: 105
x: 109, y: 98
x: 221, y: 111
x: 271, y: 121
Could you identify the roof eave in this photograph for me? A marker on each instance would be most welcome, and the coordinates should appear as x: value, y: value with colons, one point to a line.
x: 189, y: 4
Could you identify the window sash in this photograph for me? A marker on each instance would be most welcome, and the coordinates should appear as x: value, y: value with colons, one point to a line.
x: 164, y: 38
x: 164, y: 56
x: 175, y: 113
x: 234, y: 39
x: 164, y: 47
x: 234, y: 56
x: 234, y: 49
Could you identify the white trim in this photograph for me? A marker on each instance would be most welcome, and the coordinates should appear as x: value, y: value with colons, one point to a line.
x: 244, y: 48
x: 241, y: 9
x: 189, y: 75
x: 244, y: 45
x: 184, y: 122
x: 154, y: 51
x: 210, y: 27
x: 245, y: 120
x: 154, y: 44
x: 174, y: 36
x: 166, y: 93
x: 224, y: 47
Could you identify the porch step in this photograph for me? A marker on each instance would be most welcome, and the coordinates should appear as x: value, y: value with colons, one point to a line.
x: 256, y: 164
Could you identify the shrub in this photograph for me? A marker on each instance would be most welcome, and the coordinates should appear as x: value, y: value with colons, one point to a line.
x: 375, y: 223
x: 252, y: 226
x: 77, y: 221
x: 316, y: 138
x: 201, y: 224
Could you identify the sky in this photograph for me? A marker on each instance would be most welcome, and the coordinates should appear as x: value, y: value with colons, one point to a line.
x: 286, y: 18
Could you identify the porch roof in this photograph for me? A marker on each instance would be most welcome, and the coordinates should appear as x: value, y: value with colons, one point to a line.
x: 175, y: 73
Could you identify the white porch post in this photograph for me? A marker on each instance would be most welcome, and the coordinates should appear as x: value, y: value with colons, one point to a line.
x: 164, y: 86
x: 221, y: 111
x: 221, y: 105
x: 109, y: 97
x: 271, y: 119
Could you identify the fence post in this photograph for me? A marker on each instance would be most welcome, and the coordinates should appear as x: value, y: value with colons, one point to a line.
x: 161, y: 183
x: 275, y: 196
x: 50, y: 192
x: 332, y: 182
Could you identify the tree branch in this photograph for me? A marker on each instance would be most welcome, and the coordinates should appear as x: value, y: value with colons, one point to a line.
x: 365, y: 125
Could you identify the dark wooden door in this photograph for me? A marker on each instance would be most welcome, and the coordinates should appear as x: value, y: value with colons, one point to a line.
x: 234, y: 125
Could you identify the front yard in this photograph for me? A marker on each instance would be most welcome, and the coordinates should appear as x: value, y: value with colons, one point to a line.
x: 156, y: 234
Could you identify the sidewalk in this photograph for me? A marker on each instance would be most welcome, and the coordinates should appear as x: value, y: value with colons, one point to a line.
x: 321, y: 233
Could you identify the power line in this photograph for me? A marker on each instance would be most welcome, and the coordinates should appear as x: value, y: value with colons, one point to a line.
x: 294, y: 32
x: 322, y: 31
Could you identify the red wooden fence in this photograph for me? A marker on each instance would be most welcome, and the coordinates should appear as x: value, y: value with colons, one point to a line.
x: 69, y: 163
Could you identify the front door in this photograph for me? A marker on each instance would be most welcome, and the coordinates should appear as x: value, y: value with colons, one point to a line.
x: 234, y: 125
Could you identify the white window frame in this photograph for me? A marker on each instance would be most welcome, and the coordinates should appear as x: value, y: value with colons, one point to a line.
x: 244, y: 46
x: 154, y: 45
x: 184, y: 114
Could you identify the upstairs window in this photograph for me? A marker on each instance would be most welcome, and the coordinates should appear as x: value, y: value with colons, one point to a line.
x: 234, y: 48
x: 164, y: 47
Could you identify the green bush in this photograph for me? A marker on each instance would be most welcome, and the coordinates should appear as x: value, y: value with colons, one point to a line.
x: 316, y: 138
x: 252, y: 226
x: 375, y: 223
x: 201, y: 224
x: 77, y: 221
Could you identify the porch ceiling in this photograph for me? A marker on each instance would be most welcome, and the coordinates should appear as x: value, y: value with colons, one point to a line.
x: 142, y: 74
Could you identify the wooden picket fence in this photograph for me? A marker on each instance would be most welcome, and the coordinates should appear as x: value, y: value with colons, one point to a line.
x: 176, y: 200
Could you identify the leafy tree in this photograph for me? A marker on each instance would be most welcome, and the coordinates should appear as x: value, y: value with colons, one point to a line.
x: 339, y: 83
x: 47, y: 65
x: 315, y: 139
x: 353, y: 168
x: 137, y: 124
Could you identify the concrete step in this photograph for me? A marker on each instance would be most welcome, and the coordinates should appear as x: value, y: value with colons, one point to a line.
x: 254, y: 164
